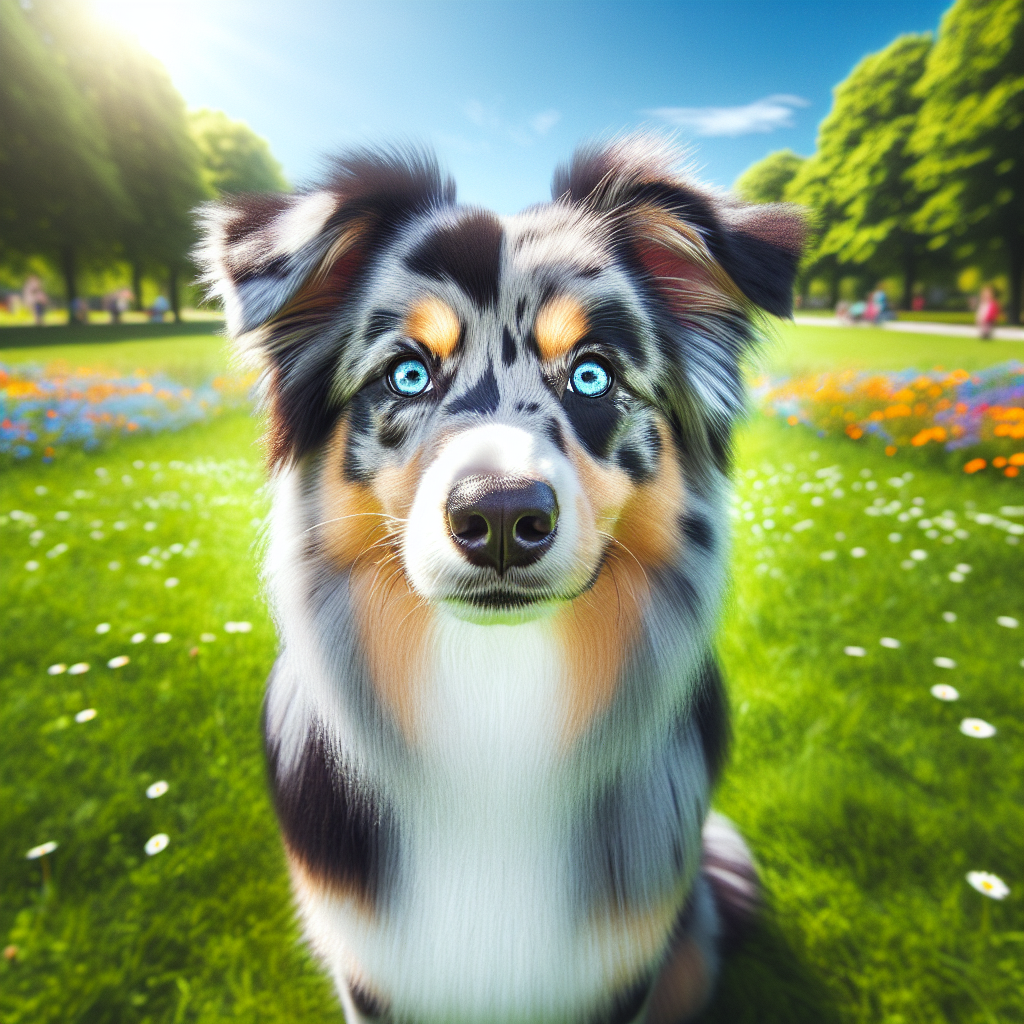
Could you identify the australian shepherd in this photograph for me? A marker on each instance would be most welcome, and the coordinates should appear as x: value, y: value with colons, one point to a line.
x: 499, y: 450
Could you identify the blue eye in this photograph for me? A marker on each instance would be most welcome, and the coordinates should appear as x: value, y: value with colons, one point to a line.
x: 409, y: 377
x: 590, y: 378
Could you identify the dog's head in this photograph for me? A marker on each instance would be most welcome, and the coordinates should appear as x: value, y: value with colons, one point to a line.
x: 504, y: 414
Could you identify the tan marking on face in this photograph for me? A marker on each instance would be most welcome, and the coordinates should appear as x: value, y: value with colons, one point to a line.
x: 559, y: 325
x: 433, y: 323
x: 361, y: 534
x: 638, y: 528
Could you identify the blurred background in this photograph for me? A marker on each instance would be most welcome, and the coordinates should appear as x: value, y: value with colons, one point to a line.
x: 871, y: 637
x: 903, y: 137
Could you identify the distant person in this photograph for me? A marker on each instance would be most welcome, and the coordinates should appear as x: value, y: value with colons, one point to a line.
x: 80, y: 311
x: 159, y: 309
x: 917, y: 303
x: 881, y: 311
x: 35, y: 298
x: 842, y: 312
x: 987, y: 314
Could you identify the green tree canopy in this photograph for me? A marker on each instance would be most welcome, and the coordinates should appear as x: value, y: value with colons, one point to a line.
x: 235, y: 159
x: 61, y: 191
x: 766, y: 181
x: 862, y: 162
x: 969, y: 136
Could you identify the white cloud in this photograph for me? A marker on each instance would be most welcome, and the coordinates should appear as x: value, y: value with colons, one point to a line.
x: 543, y: 122
x: 760, y: 116
x: 489, y: 118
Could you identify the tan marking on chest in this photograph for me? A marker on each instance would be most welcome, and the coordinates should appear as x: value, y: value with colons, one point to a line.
x: 559, y: 325
x: 433, y: 323
x: 361, y: 535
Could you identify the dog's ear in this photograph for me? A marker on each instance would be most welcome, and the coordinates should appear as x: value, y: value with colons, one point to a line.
x: 699, y: 248
x: 287, y: 266
x: 259, y: 253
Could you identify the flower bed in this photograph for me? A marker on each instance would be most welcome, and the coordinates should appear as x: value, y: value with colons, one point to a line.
x: 44, y: 410
x: 976, y: 417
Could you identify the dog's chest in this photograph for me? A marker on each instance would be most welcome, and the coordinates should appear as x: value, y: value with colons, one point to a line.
x: 486, y: 920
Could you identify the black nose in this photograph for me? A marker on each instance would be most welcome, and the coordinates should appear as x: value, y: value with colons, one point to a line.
x: 500, y: 521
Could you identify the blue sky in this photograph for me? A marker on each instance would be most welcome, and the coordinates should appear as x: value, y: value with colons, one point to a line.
x: 504, y: 90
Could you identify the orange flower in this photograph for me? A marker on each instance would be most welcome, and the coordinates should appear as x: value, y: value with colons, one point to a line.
x: 1011, y: 471
x: 1017, y: 459
x: 792, y: 420
x: 891, y: 450
x: 895, y: 411
x: 852, y: 430
x: 999, y: 462
x: 974, y: 465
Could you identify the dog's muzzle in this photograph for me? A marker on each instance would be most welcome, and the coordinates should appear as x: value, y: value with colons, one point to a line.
x: 502, y: 521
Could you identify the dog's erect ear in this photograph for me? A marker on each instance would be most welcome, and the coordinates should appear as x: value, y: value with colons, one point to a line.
x: 286, y: 267
x: 259, y: 252
x: 685, y: 236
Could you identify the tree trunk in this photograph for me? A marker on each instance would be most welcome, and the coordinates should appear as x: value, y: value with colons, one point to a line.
x: 137, y: 286
x: 1016, y: 252
x: 834, y: 280
x: 68, y: 270
x: 909, y: 277
x: 172, y: 288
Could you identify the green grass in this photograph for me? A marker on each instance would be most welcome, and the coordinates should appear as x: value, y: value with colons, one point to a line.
x: 805, y: 347
x: 863, y: 803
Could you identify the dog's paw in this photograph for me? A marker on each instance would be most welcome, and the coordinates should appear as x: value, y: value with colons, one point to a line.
x: 728, y: 865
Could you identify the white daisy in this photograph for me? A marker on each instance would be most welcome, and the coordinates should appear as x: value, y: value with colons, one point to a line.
x: 918, y: 555
x: 949, y: 616
x: 827, y: 556
x: 859, y: 552
x: 149, y: 527
x: 103, y: 627
x: 31, y: 565
x: 78, y: 668
x: 854, y: 652
x: 113, y: 566
x: 988, y: 884
x: 957, y: 577
x: 963, y: 567
x: 978, y: 728
x: 85, y: 716
x: 888, y: 641
x: 207, y: 638
x: 161, y: 638
x: 56, y: 670
x: 41, y: 851
x: 1008, y: 621
x: 945, y: 692
x: 155, y: 844
x: 907, y: 563
x: 895, y: 537
x: 62, y: 517
x: 157, y: 789
x: 119, y: 662
x: 137, y: 638
x: 237, y: 627
x: 943, y: 662
x: 170, y: 582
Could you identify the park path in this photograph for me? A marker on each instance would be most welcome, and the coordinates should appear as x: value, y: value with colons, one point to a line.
x: 918, y: 327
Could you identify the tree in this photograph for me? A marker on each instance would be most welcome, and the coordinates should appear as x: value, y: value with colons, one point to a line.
x: 766, y: 181
x: 235, y: 159
x: 969, y: 137
x: 60, y: 189
x: 863, y: 161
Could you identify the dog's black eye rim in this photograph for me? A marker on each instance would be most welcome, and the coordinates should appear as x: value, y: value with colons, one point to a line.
x: 595, y: 380
x: 394, y: 367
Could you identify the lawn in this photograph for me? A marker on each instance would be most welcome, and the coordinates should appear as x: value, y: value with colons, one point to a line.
x: 863, y: 801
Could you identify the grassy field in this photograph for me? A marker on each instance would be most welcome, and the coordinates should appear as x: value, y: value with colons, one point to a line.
x: 864, y: 803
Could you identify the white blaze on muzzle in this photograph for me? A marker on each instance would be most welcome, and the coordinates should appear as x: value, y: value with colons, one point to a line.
x: 433, y: 561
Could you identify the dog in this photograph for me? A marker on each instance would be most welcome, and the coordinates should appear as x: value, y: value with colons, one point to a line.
x: 499, y: 450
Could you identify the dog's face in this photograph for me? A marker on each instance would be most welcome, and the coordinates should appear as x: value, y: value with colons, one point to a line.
x: 500, y: 416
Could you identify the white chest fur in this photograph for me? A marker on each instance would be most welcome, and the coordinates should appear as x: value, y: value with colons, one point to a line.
x: 484, y: 927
